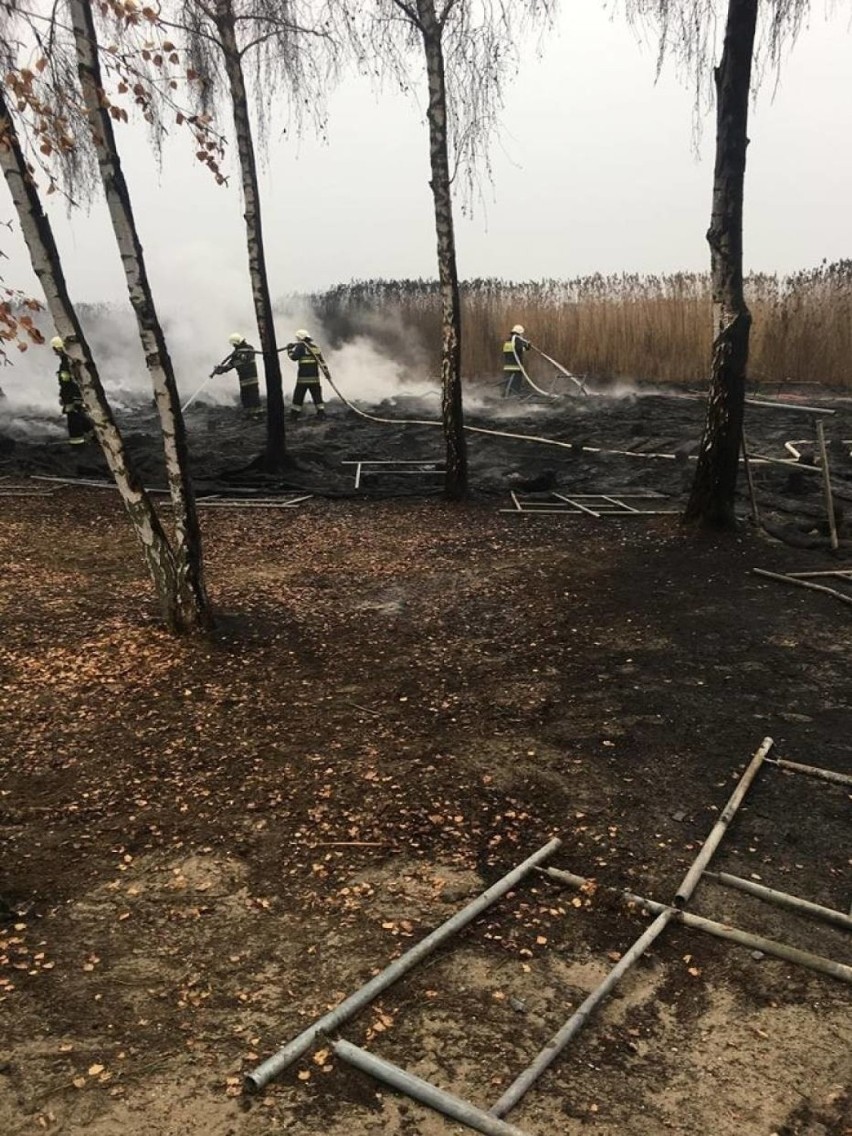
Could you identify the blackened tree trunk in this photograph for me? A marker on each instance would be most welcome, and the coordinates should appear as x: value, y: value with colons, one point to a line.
x: 711, y: 502
x: 47, y: 266
x: 193, y: 608
x: 451, y: 388
x: 275, y: 440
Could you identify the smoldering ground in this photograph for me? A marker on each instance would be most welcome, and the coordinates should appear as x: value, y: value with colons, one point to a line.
x: 596, y: 444
x: 590, y: 433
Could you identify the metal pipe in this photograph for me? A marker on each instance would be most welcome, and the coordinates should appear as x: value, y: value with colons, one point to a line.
x: 242, y: 504
x: 787, y: 406
x: 755, y: 511
x: 423, y: 1091
x: 362, y: 997
x: 803, y: 584
x: 840, y: 573
x: 26, y: 492
x: 521, y: 1085
x: 690, y: 880
x: 721, y: 930
x: 88, y: 483
x: 826, y: 484
x: 812, y: 771
x: 782, y: 899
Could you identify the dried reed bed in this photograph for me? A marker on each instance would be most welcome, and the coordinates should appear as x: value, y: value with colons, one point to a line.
x: 650, y: 328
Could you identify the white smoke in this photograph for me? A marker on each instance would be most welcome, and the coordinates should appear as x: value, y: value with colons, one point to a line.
x: 382, y: 364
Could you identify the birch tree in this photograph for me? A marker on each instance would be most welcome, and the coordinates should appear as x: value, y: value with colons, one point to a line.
x: 686, y: 28
x: 73, y: 122
x: 291, y: 47
x: 469, y: 51
x: 178, y: 603
x: 188, y: 553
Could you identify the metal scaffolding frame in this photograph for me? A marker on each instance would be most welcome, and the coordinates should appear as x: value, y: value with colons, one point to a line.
x: 491, y: 1121
x: 364, y: 467
x: 595, y: 505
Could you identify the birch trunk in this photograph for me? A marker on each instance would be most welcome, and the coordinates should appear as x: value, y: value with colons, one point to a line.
x: 452, y: 412
x: 47, y: 266
x: 275, y: 439
x: 193, y: 606
x: 711, y: 502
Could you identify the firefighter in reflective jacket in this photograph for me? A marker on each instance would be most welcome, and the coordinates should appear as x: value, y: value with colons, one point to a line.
x: 241, y: 359
x: 70, y: 398
x: 513, y: 361
x: 309, y: 358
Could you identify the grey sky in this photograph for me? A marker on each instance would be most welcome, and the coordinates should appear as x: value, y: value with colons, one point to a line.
x: 595, y: 170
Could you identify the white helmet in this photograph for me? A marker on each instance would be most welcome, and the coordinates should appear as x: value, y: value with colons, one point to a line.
x: 517, y: 329
x: 302, y: 334
x: 57, y: 343
x: 235, y: 338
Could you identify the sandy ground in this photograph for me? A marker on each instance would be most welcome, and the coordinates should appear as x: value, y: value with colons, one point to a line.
x: 206, y: 844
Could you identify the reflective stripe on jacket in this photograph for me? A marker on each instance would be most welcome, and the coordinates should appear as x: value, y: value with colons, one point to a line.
x: 69, y: 392
x: 513, y: 346
x: 308, y: 356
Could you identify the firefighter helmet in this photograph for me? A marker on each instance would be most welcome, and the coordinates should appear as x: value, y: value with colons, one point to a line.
x: 518, y: 329
x: 302, y: 335
x: 57, y: 343
x: 235, y: 338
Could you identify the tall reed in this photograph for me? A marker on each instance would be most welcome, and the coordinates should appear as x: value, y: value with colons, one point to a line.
x: 619, y: 327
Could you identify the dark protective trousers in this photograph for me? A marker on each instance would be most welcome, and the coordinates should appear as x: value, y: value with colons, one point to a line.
x: 250, y: 393
x: 304, y: 387
x: 79, y: 427
x: 514, y: 383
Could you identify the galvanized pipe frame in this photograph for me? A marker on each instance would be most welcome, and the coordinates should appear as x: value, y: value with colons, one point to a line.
x: 608, y: 509
x: 692, y: 877
x: 527, y: 1078
x: 782, y: 899
x: 727, y: 931
x: 347, y: 1009
x: 423, y: 1091
x: 792, y: 407
x: 470, y: 1114
x: 361, y: 472
x: 780, y: 576
x: 811, y: 771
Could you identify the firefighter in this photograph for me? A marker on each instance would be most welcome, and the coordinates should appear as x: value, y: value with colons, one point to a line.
x: 70, y: 398
x: 309, y: 358
x: 242, y: 359
x: 513, y: 361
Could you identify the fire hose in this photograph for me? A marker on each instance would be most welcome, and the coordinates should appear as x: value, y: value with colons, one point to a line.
x: 476, y: 429
x: 547, y: 394
x: 323, y: 366
x: 579, y: 382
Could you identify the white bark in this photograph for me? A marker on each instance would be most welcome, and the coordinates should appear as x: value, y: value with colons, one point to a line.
x: 451, y: 392
x: 44, y: 257
x: 275, y: 445
x: 192, y: 596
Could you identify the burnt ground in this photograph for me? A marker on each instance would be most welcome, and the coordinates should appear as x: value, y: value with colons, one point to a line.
x: 205, y: 844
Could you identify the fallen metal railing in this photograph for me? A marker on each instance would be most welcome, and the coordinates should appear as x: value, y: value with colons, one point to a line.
x: 362, y: 997
x: 492, y: 1122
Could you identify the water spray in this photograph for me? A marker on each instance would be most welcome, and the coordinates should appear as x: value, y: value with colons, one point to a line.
x: 193, y: 397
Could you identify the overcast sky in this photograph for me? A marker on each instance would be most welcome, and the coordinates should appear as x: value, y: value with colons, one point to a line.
x: 595, y: 170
